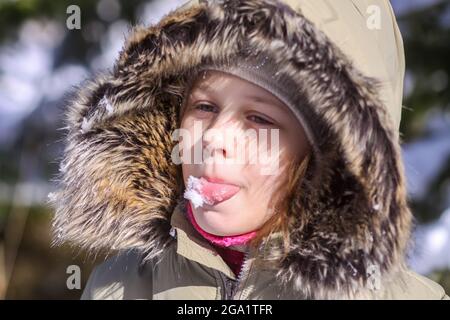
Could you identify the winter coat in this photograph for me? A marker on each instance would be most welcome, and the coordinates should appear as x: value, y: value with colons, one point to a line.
x: 192, y: 269
x: 119, y: 189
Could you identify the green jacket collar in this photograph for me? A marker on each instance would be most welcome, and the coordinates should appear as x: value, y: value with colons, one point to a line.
x: 193, y: 246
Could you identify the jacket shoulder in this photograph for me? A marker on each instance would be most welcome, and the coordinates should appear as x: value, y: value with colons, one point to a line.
x: 411, y: 285
x: 120, y: 278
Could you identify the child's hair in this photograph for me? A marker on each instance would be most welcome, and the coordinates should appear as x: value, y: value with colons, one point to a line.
x: 281, y: 202
x: 192, y: 78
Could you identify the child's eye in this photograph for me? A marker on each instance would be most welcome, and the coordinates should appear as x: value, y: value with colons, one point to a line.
x: 260, y: 120
x: 205, y: 107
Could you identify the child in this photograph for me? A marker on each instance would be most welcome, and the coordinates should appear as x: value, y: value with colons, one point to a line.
x: 149, y: 171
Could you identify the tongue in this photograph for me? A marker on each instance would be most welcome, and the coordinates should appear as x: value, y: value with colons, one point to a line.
x: 214, y: 193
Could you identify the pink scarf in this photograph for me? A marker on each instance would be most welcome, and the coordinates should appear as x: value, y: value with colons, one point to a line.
x: 222, y: 241
x: 233, y: 258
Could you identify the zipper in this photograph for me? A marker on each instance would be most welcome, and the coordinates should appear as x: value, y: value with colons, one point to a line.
x: 229, y: 285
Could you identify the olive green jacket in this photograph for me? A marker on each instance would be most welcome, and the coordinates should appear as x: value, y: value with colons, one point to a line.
x: 119, y: 186
x: 191, y: 269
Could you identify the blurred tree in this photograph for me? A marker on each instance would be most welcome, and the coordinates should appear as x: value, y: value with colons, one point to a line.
x: 30, y: 272
x: 426, y: 36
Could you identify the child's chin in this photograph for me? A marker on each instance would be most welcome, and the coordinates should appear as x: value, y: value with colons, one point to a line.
x: 215, y: 223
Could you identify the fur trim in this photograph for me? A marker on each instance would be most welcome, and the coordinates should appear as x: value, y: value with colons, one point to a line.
x: 118, y: 185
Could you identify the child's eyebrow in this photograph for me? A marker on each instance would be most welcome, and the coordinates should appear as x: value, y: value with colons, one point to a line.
x: 263, y: 100
x: 255, y: 98
x: 274, y: 104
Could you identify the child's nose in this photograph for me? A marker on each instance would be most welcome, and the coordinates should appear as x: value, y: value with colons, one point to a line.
x: 220, y: 138
x: 214, y: 144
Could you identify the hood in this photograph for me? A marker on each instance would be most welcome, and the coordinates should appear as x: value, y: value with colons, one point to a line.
x: 118, y: 186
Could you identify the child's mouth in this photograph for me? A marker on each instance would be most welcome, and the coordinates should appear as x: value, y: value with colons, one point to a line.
x: 201, y: 191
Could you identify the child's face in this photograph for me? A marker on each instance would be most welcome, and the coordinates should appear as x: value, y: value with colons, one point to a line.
x: 223, y: 107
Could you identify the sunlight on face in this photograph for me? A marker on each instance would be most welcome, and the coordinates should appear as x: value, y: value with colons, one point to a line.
x: 223, y: 103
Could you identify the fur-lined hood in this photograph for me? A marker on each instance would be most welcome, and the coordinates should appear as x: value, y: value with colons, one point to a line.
x: 118, y: 186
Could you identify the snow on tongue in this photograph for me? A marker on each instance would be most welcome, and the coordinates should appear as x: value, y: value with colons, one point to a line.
x: 192, y: 191
x: 200, y: 191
